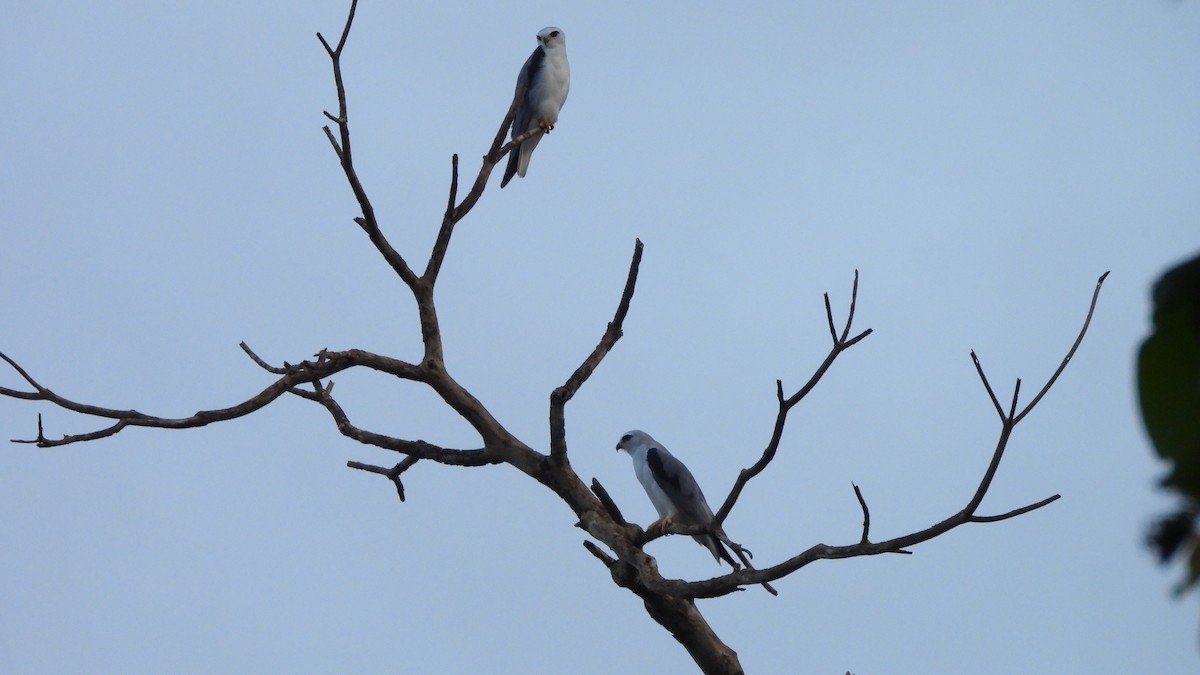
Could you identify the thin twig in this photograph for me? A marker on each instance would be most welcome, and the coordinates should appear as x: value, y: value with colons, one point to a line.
x: 1015, y: 512
x: 1087, y: 321
x: 987, y: 385
x: 866, y: 531
x: 261, y: 363
x: 392, y: 474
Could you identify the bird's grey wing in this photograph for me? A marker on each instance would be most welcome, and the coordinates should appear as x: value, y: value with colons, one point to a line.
x: 524, y: 113
x: 679, y: 485
x: 684, y: 492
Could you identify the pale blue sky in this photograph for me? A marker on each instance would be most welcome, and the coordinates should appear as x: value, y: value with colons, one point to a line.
x: 167, y: 192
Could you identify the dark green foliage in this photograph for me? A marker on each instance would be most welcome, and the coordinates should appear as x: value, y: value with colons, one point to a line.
x: 1169, y: 392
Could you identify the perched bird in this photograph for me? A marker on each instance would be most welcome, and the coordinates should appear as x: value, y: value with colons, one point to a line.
x: 671, y: 488
x: 546, y: 79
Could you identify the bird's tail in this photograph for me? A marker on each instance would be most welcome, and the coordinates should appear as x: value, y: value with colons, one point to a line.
x: 715, y: 547
x: 511, y: 169
x: 721, y: 553
x: 518, y: 159
x: 525, y: 152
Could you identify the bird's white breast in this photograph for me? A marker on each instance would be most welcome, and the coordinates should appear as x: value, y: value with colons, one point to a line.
x: 553, y: 83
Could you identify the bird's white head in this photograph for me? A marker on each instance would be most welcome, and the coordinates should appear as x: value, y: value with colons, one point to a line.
x: 634, y: 440
x: 551, y: 35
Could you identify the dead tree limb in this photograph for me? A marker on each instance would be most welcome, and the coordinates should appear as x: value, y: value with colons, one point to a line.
x: 1008, y: 421
x: 618, y: 545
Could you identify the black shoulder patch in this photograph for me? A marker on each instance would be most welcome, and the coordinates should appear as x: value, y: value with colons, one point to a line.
x: 654, y: 459
x: 536, y: 59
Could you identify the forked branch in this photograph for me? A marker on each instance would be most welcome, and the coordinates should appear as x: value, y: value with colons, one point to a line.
x: 841, y: 343
x: 669, y: 602
x: 1009, y: 419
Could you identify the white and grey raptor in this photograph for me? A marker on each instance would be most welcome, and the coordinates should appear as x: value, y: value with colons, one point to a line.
x: 675, y: 493
x: 546, y: 79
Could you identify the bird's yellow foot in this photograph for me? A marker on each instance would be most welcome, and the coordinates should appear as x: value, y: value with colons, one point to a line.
x: 545, y: 126
x: 659, y: 526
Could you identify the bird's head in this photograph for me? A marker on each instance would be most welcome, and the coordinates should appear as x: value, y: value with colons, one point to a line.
x: 551, y: 35
x: 632, y: 440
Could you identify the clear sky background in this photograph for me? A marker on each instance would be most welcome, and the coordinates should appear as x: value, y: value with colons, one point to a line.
x: 167, y: 192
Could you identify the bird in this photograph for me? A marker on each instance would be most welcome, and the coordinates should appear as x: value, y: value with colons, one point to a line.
x: 545, y: 79
x: 672, y: 489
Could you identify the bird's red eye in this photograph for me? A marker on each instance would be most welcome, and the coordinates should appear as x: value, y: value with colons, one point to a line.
x: 625, y: 438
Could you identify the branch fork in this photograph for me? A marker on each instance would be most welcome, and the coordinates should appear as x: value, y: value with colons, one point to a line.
x: 670, y: 602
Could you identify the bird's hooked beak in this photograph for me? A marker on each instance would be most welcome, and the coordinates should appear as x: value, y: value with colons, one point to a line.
x: 624, y: 439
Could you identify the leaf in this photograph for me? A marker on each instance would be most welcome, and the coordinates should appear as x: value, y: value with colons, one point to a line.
x: 1169, y: 393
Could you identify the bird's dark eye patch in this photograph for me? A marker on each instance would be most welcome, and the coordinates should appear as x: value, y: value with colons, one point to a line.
x: 553, y: 33
x: 625, y: 438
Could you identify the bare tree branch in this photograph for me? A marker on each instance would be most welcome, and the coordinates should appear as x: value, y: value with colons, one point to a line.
x: 134, y: 418
x: 840, y: 344
x: 730, y: 582
x: 393, y: 473
x: 560, y: 396
x: 1070, y: 353
x: 601, y: 555
x: 453, y: 213
x: 346, y: 158
x: 328, y: 364
x: 1014, y: 512
x: 607, y: 501
x: 670, y: 602
x: 261, y: 364
x: 866, y: 515
x: 418, y: 449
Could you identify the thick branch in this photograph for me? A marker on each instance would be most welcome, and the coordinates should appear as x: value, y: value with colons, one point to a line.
x: 609, y: 505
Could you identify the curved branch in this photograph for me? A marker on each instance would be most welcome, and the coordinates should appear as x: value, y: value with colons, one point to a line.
x: 293, y: 376
x: 453, y: 213
x: 732, y: 581
x: 368, y: 221
x: 126, y: 418
x: 866, y: 531
x: 1015, y: 512
x: 840, y: 344
x: 560, y: 396
x: 1087, y: 321
x: 417, y: 449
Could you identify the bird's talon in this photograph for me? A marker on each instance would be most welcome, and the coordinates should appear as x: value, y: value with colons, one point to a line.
x: 659, y: 526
